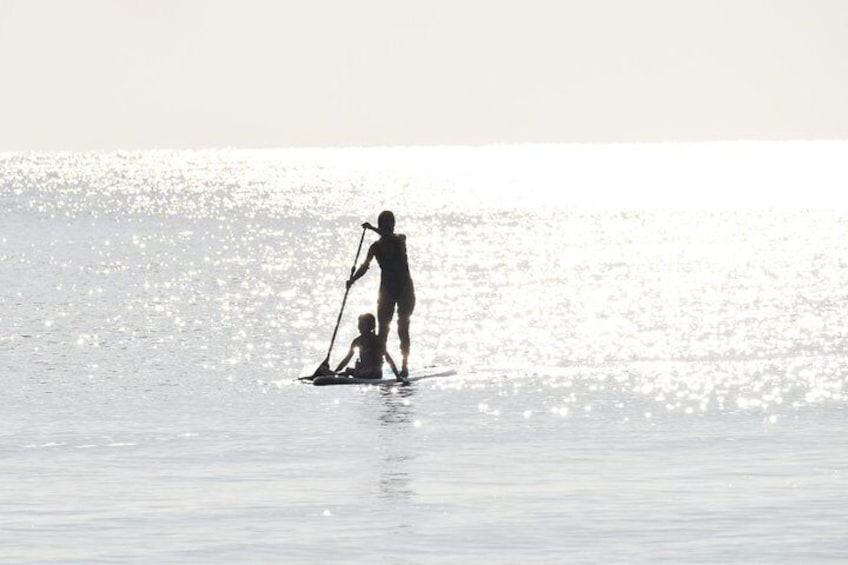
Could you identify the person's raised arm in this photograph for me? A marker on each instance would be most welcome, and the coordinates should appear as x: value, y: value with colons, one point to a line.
x: 368, y: 226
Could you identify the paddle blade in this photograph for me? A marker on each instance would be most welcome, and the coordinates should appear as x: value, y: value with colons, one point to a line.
x: 323, y: 370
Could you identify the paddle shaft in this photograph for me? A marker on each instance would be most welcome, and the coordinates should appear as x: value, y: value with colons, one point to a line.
x: 344, y: 300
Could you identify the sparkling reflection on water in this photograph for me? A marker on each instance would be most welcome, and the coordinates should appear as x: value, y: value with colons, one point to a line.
x: 652, y: 382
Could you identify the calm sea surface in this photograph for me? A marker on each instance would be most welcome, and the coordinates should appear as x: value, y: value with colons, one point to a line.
x: 650, y: 344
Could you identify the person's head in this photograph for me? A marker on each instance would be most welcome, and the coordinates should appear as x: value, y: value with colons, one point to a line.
x: 386, y: 222
x: 367, y: 324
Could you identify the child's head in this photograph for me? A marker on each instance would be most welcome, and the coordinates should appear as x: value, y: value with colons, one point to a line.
x: 386, y: 222
x: 367, y: 324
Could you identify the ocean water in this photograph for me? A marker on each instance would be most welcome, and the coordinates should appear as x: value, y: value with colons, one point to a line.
x: 650, y: 345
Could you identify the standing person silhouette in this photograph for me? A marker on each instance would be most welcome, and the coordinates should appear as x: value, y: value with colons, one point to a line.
x: 396, y: 289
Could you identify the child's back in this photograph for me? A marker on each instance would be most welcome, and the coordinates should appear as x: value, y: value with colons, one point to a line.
x: 370, y: 362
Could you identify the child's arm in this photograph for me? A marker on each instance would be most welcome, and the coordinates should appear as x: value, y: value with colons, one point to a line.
x: 346, y: 359
x: 392, y: 365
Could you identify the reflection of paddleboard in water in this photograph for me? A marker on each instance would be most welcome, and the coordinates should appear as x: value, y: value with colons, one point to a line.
x: 415, y: 375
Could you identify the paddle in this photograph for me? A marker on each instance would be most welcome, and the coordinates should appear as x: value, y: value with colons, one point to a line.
x: 324, y: 368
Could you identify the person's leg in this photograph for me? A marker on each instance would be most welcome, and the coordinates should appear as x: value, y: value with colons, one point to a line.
x: 367, y: 373
x: 385, y: 311
x: 406, y: 305
x: 403, y: 333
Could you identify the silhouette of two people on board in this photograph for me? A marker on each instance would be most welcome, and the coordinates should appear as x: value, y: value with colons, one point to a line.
x: 396, y: 292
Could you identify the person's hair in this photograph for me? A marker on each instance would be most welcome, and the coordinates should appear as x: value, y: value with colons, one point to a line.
x: 369, y: 321
x: 386, y: 222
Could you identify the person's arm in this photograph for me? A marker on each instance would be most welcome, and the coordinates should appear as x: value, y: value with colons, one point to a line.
x: 363, y: 268
x: 347, y: 357
x: 368, y: 226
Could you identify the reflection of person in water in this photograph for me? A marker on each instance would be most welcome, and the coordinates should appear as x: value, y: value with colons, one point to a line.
x: 397, y: 468
x: 371, y: 350
x: 396, y: 289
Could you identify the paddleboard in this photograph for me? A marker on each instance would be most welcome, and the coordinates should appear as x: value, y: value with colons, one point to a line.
x: 417, y: 375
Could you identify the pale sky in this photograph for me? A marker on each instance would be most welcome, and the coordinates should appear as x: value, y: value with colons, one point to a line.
x: 109, y: 74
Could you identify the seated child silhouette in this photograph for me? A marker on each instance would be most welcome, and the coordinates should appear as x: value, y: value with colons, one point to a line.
x: 371, y: 349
